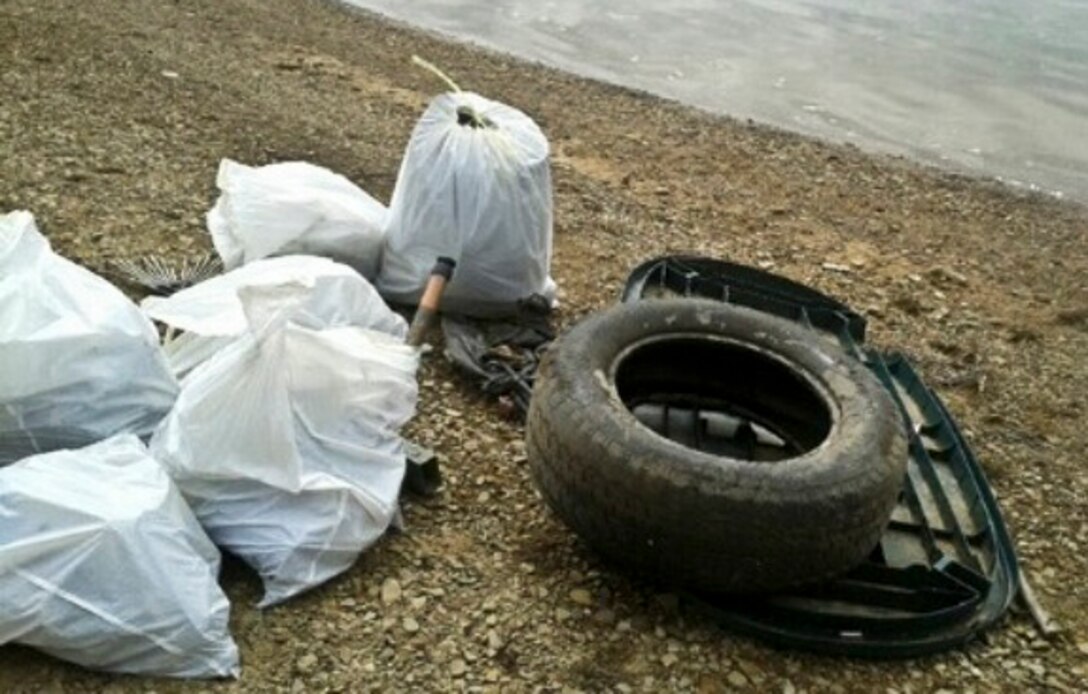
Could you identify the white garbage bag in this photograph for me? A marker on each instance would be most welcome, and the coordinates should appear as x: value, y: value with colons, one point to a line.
x: 474, y: 185
x: 294, y: 208
x: 211, y: 315
x: 103, y: 564
x: 286, y: 440
x: 78, y: 361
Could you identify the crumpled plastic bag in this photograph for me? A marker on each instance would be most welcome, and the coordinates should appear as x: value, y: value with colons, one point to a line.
x: 294, y: 208
x: 475, y: 186
x: 211, y: 315
x: 286, y: 442
x: 103, y: 564
x: 78, y: 361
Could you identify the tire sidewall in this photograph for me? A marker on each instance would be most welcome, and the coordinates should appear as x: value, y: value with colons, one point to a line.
x: 614, y: 471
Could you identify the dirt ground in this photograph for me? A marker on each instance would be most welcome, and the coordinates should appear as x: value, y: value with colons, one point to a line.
x: 114, y: 115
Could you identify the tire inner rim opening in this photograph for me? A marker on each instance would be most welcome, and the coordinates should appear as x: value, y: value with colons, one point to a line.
x: 722, y: 397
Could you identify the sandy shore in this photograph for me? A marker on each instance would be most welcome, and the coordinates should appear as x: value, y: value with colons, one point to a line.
x: 114, y: 115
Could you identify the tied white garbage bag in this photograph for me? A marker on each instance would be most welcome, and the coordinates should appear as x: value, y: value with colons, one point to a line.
x: 78, y: 361
x: 475, y: 186
x: 294, y: 208
x: 286, y: 442
x: 103, y: 564
x: 211, y: 315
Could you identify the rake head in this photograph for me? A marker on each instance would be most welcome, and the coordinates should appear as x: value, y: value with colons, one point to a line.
x: 162, y: 276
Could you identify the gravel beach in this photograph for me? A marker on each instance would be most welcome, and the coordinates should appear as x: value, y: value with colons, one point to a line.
x: 114, y: 116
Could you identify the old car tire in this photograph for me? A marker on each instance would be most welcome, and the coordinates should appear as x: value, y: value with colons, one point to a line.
x: 701, y: 520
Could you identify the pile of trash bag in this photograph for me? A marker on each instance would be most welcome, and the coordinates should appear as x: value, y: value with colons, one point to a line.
x: 79, y: 362
x: 286, y: 442
x: 294, y: 208
x: 102, y: 563
x: 282, y: 439
x: 273, y: 405
x: 474, y: 186
x: 210, y: 314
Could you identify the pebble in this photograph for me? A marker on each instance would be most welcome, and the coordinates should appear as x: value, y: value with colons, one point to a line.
x: 410, y: 625
x: 750, y: 669
x: 581, y: 596
x: 306, y: 663
x: 458, y: 667
x: 391, y: 591
x: 736, y: 678
x: 947, y: 275
x: 835, y: 267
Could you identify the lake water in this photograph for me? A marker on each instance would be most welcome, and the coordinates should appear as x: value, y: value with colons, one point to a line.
x: 996, y: 87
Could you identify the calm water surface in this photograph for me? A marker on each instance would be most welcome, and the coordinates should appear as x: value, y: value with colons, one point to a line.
x: 997, y: 87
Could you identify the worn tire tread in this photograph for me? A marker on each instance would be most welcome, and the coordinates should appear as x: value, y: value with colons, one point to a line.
x: 719, y: 524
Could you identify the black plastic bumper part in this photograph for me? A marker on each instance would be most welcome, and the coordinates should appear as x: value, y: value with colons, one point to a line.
x: 945, y: 569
